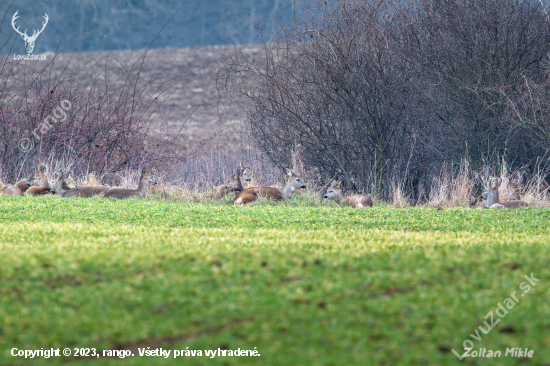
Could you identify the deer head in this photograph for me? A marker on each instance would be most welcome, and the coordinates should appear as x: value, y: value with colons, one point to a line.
x: 29, y: 41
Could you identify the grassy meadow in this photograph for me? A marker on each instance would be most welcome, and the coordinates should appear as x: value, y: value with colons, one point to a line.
x: 305, y: 284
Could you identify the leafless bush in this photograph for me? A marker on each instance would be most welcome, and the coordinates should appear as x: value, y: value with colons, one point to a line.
x: 102, y: 125
x: 467, y: 56
x: 392, y: 94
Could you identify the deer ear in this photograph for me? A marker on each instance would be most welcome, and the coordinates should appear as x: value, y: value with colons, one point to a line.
x: 143, y: 171
x: 339, y: 185
x: 241, y: 165
x: 42, y: 169
x: 288, y: 172
x: 60, y: 176
x: 499, y: 182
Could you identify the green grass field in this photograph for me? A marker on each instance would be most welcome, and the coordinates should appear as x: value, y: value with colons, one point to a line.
x: 303, y: 284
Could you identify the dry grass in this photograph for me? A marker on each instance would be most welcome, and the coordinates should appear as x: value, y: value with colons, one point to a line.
x: 464, y: 188
x: 399, y: 199
x: 448, y: 190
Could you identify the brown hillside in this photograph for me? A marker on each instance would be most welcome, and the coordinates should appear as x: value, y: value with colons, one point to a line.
x: 193, y: 108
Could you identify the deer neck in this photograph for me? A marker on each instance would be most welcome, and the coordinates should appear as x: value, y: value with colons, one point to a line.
x: 44, y: 182
x: 143, y: 186
x: 492, y: 198
x: 237, y: 184
x: 288, y: 190
x: 339, y: 198
x: 62, y: 187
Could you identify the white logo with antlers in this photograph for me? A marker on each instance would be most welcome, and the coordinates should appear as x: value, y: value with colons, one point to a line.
x: 29, y: 41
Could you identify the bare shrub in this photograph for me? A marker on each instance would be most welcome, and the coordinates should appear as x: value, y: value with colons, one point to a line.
x: 101, y: 125
x: 385, y: 92
x: 331, y: 85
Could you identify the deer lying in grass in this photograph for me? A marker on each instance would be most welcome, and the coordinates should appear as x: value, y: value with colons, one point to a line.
x: 62, y: 189
x: 232, y: 187
x: 334, y: 192
x: 23, y: 185
x: 252, y: 194
x: 491, y: 194
x: 17, y: 189
x: 39, y: 183
x: 10, y: 190
x: 120, y: 193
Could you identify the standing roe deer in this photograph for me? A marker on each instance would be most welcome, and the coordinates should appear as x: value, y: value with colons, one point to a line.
x: 252, y: 194
x: 334, y: 192
x: 40, y: 184
x: 233, y: 186
x: 491, y: 194
x: 141, y: 191
x: 62, y: 189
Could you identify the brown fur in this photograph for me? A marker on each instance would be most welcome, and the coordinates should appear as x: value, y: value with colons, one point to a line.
x: 252, y: 194
x: 514, y: 204
x: 23, y: 185
x: 122, y: 193
x: 216, y: 192
x: 38, y: 191
x: 11, y: 190
x: 357, y: 200
x: 63, y: 189
x: 234, y: 185
x: 493, y: 200
x: 40, y: 184
x: 85, y: 191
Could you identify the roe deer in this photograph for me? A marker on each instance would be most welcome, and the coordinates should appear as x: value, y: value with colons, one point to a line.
x: 40, y: 184
x: 16, y: 189
x: 23, y: 185
x: 233, y: 186
x: 334, y: 192
x: 141, y: 191
x: 491, y: 194
x: 252, y: 194
x: 477, y: 202
x: 248, y: 176
x: 62, y: 189
x: 9, y: 190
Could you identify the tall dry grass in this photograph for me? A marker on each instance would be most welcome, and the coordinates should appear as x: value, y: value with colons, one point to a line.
x: 192, y: 179
x: 463, y: 189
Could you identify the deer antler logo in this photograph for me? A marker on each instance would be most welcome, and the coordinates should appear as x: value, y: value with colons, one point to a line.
x: 29, y: 41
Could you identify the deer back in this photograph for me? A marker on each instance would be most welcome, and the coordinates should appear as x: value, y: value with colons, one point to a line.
x: 11, y: 190
x: 89, y: 191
